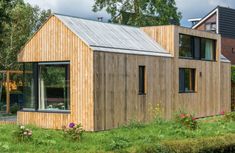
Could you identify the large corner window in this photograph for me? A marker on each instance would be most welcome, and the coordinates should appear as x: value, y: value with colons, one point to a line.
x: 46, y: 86
x: 197, y: 48
x: 186, y: 80
x: 53, y: 87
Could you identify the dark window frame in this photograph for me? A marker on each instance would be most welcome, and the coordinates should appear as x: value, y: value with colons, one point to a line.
x: 142, y: 79
x: 182, y: 80
x: 36, y: 75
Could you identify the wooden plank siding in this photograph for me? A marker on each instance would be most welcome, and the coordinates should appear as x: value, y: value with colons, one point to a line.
x: 116, y: 99
x: 116, y: 88
x: 55, y: 42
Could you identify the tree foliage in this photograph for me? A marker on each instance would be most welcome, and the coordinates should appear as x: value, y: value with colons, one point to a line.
x: 18, y: 22
x: 140, y: 12
x: 233, y: 74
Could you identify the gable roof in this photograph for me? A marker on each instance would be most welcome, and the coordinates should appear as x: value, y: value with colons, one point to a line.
x: 108, y: 37
x: 215, y: 10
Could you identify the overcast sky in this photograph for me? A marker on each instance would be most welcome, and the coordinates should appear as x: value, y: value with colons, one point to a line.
x: 83, y: 8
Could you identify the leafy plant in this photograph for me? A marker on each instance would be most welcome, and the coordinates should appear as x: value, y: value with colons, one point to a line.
x: 23, y: 133
x: 14, y: 108
x: 133, y: 124
x: 140, y: 12
x: 118, y: 143
x: 73, y: 131
x: 233, y: 73
x: 230, y: 116
x: 156, y: 113
x: 186, y: 120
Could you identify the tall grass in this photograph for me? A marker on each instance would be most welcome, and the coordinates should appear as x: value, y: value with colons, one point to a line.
x: 129, y: 138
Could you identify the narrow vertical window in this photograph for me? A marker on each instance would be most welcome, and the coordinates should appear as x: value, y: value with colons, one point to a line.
x: 142, y: 81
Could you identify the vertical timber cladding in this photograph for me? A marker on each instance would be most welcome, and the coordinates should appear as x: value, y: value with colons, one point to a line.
x: 212, y: 93
x: 116, y: 97
x: 225, y: 87
x: 55, y: 42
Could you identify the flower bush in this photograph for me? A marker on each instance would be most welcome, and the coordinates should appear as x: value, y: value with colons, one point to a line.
x: 73, y: 131
x: 22, y: 133
x: 187, y: 120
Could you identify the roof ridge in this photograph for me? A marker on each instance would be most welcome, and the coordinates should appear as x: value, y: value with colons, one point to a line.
x: 82, y: 18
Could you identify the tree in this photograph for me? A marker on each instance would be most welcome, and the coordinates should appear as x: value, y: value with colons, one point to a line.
x: 22, y: 20
x: 140, y: 12
x: 4, y: 18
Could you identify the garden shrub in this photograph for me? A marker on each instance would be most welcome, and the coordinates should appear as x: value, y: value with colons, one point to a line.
x: 229, y: 116
x: 22, y: 133
x: 221, y: 144
x: 73, y: 131
x: 186, y: 120
x: 233, y: 74
x: 152, y: 148
x: 14, y: 109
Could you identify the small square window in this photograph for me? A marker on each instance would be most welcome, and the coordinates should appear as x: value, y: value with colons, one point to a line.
x: 186, y: 80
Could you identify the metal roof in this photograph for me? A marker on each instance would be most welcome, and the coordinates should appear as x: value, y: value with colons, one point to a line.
x: 224, y: 59
x: 113, y: 37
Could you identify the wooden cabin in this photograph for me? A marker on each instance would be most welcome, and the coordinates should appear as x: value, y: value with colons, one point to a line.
x: 104, y: 75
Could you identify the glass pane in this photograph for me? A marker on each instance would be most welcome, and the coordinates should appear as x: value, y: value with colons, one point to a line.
x: 141, y: 79
x: 207, y: 49
x: 186, y: 80
x: 53, y: 87
x: 16, y: 89
x: 185, y: 46
x: 29, y: 97
x: 2, y: 92
x: 181, y: 80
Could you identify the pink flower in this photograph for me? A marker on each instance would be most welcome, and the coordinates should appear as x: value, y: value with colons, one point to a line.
x: 194, y: 118
x: 182, y: 116
x: 222, y: 113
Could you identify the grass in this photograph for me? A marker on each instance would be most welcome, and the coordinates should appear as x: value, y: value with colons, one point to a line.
x: 124, y: 139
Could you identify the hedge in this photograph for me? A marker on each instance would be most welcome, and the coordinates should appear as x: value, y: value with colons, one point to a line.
x: 218, y: 144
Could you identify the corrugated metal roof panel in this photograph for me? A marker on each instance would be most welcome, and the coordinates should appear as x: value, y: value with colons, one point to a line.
x: 224, y: 59
x: 112, y: 37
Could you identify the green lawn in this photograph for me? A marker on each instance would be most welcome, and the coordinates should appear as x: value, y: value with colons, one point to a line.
x: 132, y: 138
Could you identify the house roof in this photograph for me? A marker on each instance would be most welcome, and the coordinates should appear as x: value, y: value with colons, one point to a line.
x: 108, y: 37
x: 224, y: 59
x: 206, y: 17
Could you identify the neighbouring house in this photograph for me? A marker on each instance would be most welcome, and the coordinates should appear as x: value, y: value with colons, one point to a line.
x: 220, y: 20
x: 103, y: 75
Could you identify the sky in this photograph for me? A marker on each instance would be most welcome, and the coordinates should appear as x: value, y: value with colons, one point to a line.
x: 83, y: 8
